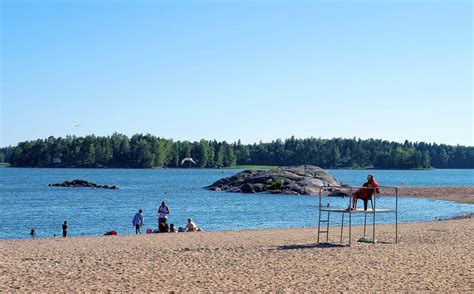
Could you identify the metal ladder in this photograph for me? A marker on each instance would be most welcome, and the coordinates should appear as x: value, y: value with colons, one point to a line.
x: 327, y: 226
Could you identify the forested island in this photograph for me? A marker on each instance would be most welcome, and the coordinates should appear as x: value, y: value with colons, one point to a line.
x: 148, y: 151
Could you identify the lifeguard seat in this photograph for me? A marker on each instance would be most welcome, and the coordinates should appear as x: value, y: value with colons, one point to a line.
x: 370, y: 193
x: 366, y: 200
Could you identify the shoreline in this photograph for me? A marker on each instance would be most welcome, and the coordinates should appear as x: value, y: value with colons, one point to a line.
x: 460, y: 194
x: 430, y: 256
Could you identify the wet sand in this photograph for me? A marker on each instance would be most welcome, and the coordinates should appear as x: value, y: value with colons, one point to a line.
x: 461, y: 194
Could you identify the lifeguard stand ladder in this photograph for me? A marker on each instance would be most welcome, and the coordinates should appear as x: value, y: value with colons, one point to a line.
x: 347, y: 191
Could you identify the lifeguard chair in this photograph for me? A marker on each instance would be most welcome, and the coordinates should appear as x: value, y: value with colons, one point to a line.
x: 347, y: 191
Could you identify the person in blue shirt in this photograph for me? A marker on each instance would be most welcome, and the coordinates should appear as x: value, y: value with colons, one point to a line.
x: 138, y: 221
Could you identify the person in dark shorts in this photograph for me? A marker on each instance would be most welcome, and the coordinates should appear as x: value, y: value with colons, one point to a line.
x: 138, y: 221
x: 162, y: 212
x: 370, y: 187
x: 64, y: 229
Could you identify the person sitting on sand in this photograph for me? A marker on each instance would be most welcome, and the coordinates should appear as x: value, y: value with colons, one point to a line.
x: 163, y: 227
x: 172, y: 229
x: 191, y: 226
x: 365, y: 193
x: 138, y: 221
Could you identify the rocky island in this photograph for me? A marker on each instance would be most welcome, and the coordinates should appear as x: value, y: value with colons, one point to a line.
x: 295, y: 180
x: 82, y: 183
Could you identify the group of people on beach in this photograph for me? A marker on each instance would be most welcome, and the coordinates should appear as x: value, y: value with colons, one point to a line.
x: 369, y: 188
x: 139, y: 220
x: 162, y: 214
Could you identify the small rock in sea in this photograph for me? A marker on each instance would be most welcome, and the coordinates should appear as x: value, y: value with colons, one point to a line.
x: 82, y: 183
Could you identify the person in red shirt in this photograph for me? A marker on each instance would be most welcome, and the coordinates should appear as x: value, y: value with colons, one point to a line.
x: 365, y: 193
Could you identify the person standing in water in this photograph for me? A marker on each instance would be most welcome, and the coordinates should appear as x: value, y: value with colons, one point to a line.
x: 64, y: 227
x: 163, y: 212
x: 138, y: 221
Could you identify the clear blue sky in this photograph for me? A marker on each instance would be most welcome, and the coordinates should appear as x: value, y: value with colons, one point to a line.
x: 228, y: 70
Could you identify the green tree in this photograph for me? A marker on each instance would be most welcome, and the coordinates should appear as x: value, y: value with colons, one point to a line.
x: 229, y: 156
x: 220, y: 155
x: 148, y: 151
x: 202, y: 153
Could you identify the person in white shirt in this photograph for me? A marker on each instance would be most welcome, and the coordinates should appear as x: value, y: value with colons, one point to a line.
x: 191, y: 226
x: 163, y: 212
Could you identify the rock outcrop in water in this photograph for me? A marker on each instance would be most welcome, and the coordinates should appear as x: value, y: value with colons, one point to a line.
x: 303, y: 179
x: 82, y: 183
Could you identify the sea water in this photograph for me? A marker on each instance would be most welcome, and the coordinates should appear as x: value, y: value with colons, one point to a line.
x: 27, y: 202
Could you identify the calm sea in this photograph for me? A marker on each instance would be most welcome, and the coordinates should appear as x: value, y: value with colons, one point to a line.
x: 26, y: 201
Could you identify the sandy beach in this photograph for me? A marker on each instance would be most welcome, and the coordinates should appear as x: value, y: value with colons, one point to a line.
x: 434, y: 256
x: 461, y: 194
x: 431, y: 256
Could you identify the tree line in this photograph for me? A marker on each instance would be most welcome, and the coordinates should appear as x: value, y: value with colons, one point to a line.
x: 147, y: 151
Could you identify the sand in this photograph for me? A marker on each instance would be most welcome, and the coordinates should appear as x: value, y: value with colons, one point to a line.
x: 431, y: 256
x: 434, y: 256
x: 461, y: 194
